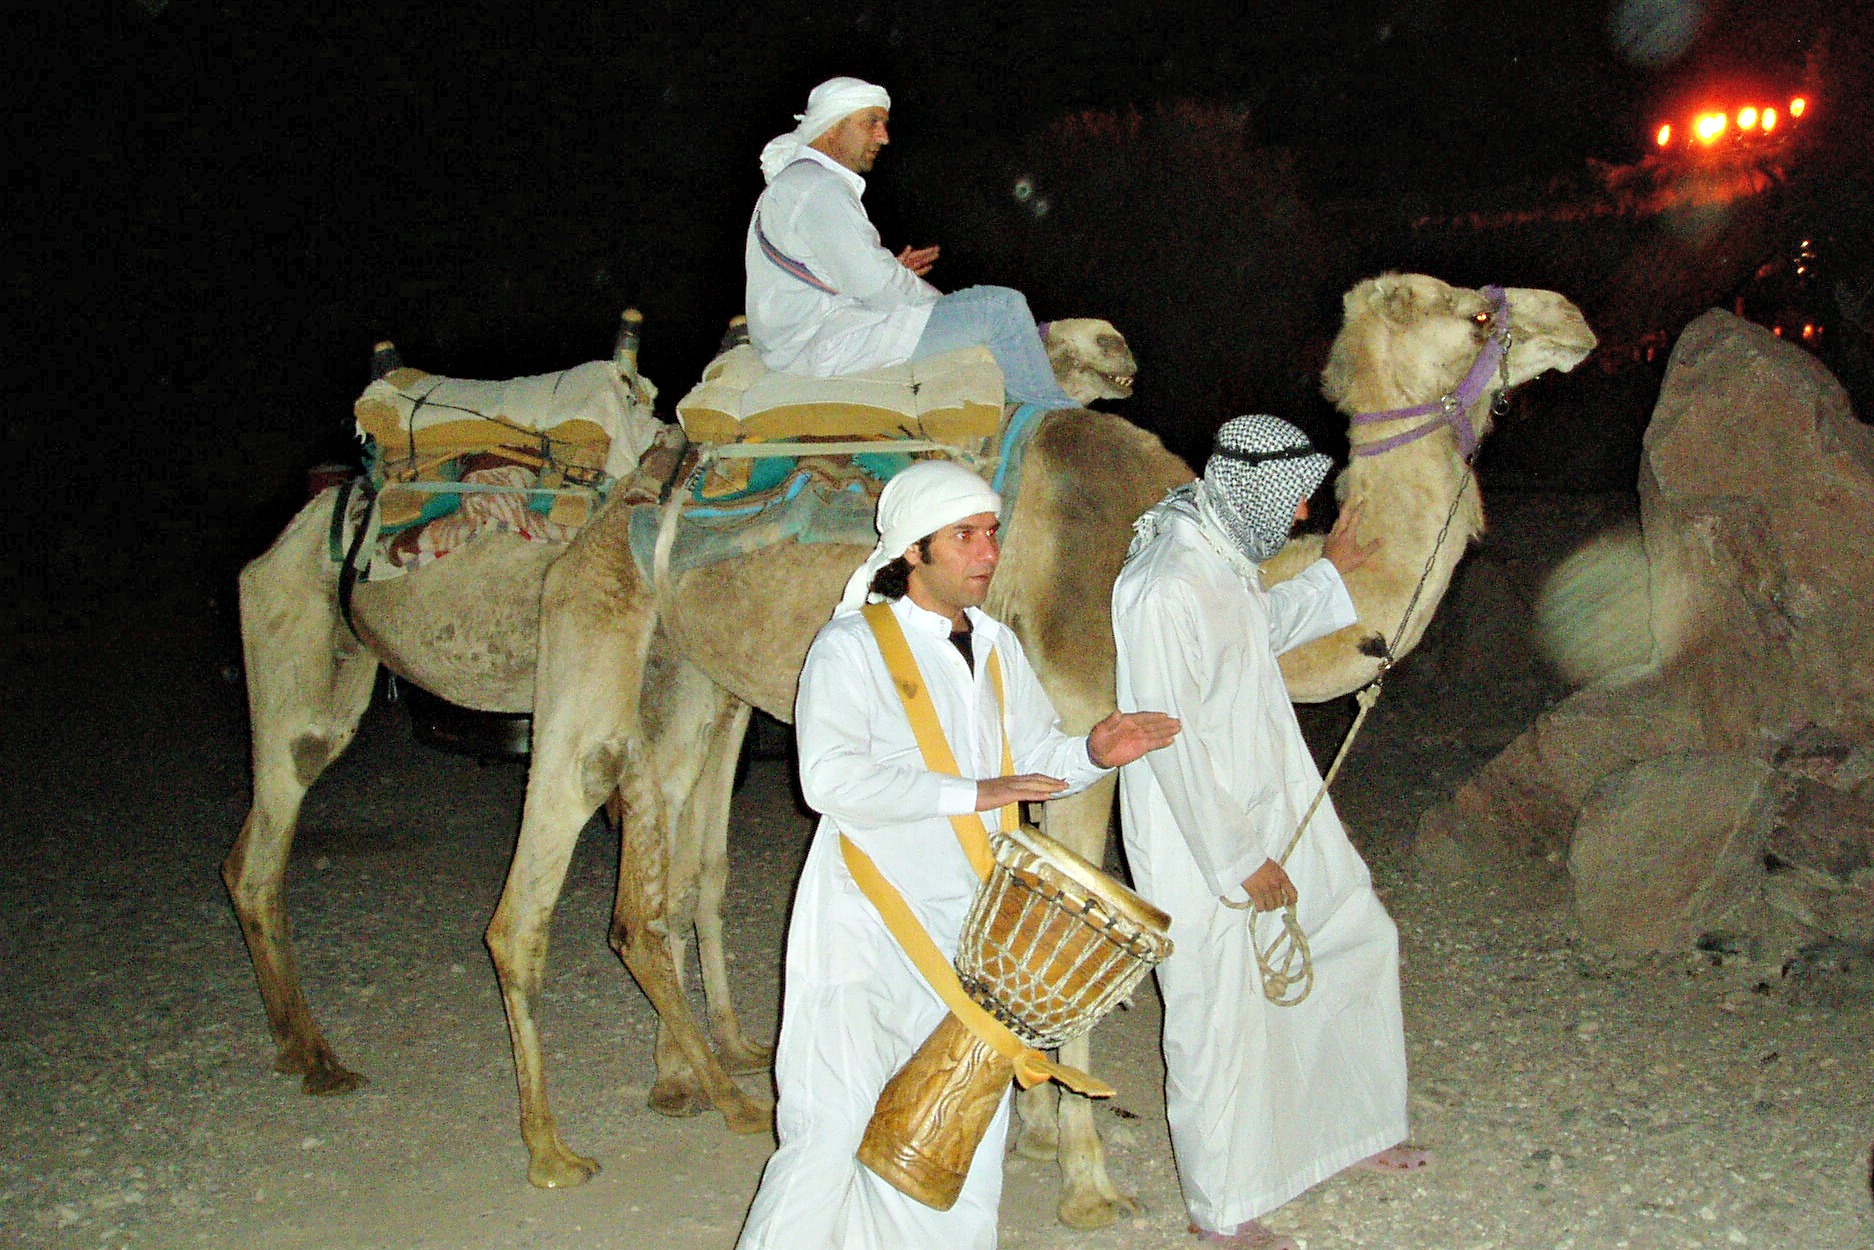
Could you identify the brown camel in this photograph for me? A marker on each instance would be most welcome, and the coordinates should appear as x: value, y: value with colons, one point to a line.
x: 1406, y: 341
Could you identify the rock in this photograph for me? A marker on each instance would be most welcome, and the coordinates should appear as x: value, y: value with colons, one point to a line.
x: 1670, y: 849
x: 1756, y: 513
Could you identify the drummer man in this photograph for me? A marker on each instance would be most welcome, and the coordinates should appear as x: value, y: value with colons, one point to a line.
x: 854, y: 1008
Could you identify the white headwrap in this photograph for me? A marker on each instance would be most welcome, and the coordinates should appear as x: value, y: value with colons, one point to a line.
x: 916, y: 504
x: 828, y: 103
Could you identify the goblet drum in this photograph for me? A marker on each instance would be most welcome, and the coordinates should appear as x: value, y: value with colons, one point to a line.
x: 1050, y: 945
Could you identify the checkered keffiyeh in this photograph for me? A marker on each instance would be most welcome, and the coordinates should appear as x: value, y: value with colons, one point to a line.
x: 1259, y: 471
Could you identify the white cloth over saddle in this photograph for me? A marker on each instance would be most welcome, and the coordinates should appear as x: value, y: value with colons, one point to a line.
x: 953, y: 398
x: 594, y: 420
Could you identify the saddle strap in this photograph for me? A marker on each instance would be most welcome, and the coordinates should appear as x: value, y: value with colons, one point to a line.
x: 348, y: 567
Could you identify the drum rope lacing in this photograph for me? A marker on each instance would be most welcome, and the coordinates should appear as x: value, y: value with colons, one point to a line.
x: 1286, y: 962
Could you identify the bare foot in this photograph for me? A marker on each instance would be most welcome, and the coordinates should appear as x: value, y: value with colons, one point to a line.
x: 1396, y: 1159
x: 1249, y: 1235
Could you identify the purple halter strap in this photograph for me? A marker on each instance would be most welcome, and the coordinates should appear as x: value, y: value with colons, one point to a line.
x: 1452, y: 409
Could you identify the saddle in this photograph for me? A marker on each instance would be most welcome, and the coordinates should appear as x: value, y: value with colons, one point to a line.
x: 952, y: 400
x: 448, y: 458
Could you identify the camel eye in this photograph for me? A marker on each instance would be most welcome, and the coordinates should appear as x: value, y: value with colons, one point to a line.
x: 1481, y: 318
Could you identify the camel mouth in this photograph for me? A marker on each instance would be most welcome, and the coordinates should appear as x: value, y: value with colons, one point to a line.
x: 1121, y: 382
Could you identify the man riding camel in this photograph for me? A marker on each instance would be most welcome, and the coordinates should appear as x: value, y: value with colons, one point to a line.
x: 824, y: 297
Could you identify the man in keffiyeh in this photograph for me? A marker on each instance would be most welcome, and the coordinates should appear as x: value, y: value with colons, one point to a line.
x: 1264, y: 1100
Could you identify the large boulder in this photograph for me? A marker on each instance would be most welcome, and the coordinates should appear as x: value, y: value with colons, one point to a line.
x: 1757, y: 515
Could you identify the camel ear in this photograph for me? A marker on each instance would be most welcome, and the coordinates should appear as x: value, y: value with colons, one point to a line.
x: 1393, y: 297
x: 1375, y: 297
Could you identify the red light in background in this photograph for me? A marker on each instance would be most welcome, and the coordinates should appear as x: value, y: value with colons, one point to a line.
x: 1768, y: 120
x: 1798, y: 107
x: 1747, y: 118
x: 1709, y: 126
x: 1664, y: 135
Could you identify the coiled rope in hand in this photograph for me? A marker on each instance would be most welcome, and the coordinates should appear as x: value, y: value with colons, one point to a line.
x: 1286, y: 963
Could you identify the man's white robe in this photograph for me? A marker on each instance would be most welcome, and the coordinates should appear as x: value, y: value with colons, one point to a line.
x: 1264, y: 1101
x: 854, y: 1009
x: 877, y: 309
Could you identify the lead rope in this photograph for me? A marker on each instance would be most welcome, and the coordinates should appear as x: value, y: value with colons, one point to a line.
x: 1287, y: 962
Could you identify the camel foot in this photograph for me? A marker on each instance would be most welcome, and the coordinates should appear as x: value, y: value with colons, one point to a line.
x: 678, y: 1098
x: 1040, y: 1143
x: 1089, y: 1209
x: 745, y: 1115
x: 740, y: 1056
x: 560, y: 1168
x: 324, y: 1075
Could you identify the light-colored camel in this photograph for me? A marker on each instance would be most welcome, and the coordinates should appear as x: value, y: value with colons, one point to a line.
x: 669, y: 756
x: 1406, y: 340
x: 477, y: 629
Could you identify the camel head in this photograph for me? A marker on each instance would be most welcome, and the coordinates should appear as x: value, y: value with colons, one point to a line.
x: 1090, y: 358
x: 1409, y: 339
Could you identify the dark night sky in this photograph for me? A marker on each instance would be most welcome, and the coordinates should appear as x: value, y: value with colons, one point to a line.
x: 215, y: 208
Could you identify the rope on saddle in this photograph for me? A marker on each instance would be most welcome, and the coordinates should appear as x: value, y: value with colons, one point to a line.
x: 1286, y: 963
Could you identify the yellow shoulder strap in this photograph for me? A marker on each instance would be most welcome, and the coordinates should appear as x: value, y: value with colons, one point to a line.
x: 922, y: 713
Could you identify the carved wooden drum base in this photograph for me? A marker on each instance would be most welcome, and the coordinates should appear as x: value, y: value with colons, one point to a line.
x: 932, y: 1115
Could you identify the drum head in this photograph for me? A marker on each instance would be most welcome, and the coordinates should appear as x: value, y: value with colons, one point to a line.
x: 1090, y: 879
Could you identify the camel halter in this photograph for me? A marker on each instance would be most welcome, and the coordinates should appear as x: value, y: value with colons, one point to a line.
x: 1286, y: 963
x: 1453, y: 409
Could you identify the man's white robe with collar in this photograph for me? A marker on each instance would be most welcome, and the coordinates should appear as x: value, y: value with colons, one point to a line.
x: 1264, y: 1101
x: 854, y: 1008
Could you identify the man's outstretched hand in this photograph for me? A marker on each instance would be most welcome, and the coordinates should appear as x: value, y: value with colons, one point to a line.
x: 919, y: 259
x: 994, y: 792
x: 1125, y: 736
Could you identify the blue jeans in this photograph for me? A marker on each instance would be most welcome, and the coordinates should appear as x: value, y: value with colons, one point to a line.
x: 996, y: 317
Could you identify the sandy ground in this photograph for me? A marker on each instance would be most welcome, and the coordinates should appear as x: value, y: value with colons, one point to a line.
x: 1572, y: 1100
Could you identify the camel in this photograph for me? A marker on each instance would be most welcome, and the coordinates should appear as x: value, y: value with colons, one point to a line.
x: 1406, y: 341
x: 641, y: 693
x: 478, y: 629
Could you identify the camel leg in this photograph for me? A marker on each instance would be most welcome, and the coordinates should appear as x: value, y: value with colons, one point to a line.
x: 592, y: 632
x: 308, y: 684
x: 708, y: 811
x: 1089, y: 1199
x: 697, y: 876
x: 693, y: 730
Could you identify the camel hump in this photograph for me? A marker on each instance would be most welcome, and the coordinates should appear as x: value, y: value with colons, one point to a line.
x: 955, y: 398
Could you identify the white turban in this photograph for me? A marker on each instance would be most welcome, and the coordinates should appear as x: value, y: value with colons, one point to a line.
x: 916, y: 504
x: 828, y: 103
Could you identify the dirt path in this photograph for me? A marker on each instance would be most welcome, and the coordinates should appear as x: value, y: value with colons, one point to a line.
x: 1571, y: 1101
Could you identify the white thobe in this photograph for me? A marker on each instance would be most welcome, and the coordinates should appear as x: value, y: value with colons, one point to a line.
x: 877, y: 309
x: 1264, y: 1101
x: 854, y: 1009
